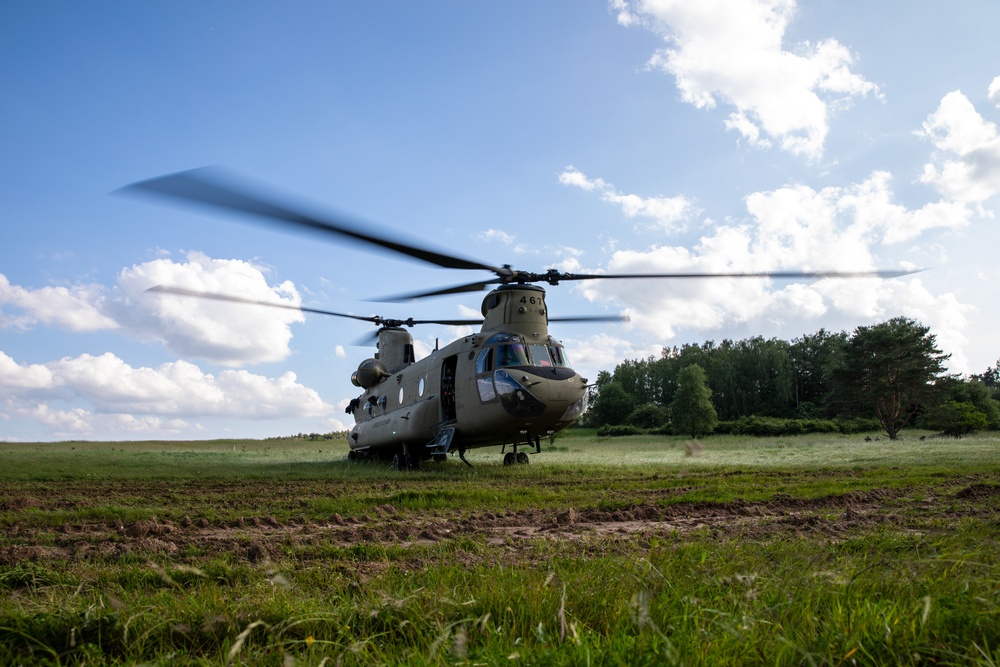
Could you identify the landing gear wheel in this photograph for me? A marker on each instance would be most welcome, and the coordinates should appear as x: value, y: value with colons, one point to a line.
x: 398, y: 461
x: 509, y: 459
x: 522, y: 458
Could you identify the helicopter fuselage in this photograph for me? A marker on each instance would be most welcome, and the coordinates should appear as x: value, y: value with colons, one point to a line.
x: 510, y: 384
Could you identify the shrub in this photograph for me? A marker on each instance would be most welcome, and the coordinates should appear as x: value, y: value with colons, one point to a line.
x: 648, y: 416
x: 859, y: 425
x: 618, y: 430
x: 773, y: 426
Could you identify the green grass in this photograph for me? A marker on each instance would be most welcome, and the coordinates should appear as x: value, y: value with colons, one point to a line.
x: 806, y: 550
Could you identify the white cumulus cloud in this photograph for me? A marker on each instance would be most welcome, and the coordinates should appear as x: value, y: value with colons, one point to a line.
x: 994, y: 92
x: 226, y: 333
x: 103, y: 387
x: 733, y: 52
x: 664, y: 212
x: 77, y: 308
x: 788, y: 229
x: 966, y: 168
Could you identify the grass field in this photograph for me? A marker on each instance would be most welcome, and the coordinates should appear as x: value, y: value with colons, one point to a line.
x: 625, y: 551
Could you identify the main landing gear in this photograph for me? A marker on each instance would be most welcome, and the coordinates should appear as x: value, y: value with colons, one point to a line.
x: 516, y: 458
x: 404, y: 460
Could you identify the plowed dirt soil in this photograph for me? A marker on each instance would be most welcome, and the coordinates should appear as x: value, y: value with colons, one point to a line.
x: 258, y: 538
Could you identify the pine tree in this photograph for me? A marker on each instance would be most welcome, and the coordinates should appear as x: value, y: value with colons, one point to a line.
x: 692, y: 411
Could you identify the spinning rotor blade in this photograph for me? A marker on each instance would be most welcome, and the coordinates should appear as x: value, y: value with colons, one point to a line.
x: 760, y: 274
x: 592, y: 318
x: 553, y: 277
x: 375, y: 319
x: 457, y: 289
x: 213, y: 188
x: 180, y: 291
x: 210, y: 187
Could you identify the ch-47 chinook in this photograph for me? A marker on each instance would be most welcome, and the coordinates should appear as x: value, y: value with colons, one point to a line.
x: 510, y: 385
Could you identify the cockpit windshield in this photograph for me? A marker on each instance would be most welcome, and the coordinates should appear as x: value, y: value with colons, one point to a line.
x: 512, y: 354
x: 506, y: 350
x: 540, y: 356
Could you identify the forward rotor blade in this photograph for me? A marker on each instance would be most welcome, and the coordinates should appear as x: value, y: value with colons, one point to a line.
x: 760, y: 274
x: 592, y: 318
x: 456, y: 289
x: 211, y: 187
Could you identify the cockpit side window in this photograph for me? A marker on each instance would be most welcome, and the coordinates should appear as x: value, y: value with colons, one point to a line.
x: 558, y: 353
x: 484, y: 364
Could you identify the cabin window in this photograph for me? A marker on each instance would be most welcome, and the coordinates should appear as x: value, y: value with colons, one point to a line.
x: 420, y: 387
x: 400, y: 395
x: 512, y: 354
x: 382, y: 403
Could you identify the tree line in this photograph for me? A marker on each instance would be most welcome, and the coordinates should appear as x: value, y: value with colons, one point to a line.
x: 887, y: 376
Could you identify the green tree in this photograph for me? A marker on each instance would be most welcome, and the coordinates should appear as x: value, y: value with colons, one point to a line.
x: 612, y: 405
x: 692, y: 411
x: 957, y: 419
x: 972, y: 391
x: 888, y: 370
x: 812, y: 356
x: 991, y: 376
x: 635, y: 378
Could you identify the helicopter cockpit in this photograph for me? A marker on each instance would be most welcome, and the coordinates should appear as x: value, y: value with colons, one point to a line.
x: 509, y: 350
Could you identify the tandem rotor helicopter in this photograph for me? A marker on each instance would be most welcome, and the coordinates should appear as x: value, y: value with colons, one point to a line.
x: 509, y: 385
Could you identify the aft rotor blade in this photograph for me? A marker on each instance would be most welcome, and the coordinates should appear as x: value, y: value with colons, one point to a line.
x: 450, y: 323
x: 369, y: 338
x: 376, y: 319
x: 180, y: 291
x: 210, y: 187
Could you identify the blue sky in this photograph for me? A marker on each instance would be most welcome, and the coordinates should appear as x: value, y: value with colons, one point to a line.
x: 731, y: 135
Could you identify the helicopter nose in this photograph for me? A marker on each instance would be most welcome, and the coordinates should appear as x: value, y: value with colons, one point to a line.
x: 529, y: 396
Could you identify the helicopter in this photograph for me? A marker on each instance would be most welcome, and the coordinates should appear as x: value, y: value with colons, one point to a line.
x: 509, y: 385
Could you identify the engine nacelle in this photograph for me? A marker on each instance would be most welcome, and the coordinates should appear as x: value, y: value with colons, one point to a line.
x: 370, y: 372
